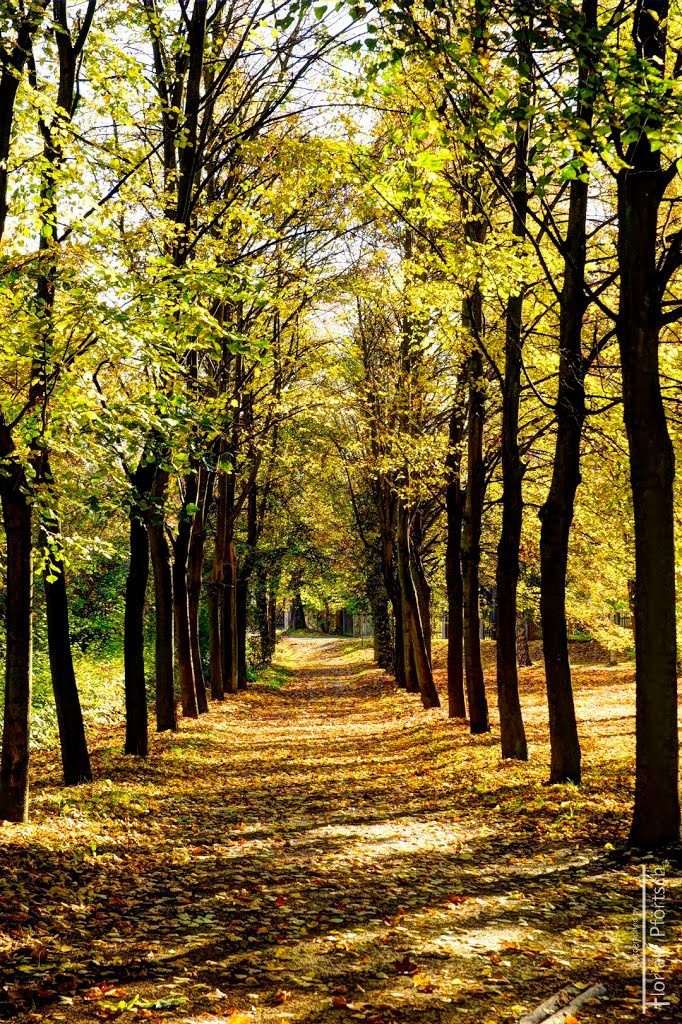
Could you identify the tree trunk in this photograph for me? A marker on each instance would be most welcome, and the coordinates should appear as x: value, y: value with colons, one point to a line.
x: 522, y: 651
x: 471, y: 550
x: 230, y: 649
x: 556, y: 516
x: 656, y: 818
x: 166, y: 714
x: 418, y: 658
x: 181, y: 614
x: 17, y: 515
x: 423, y: 591
x: 400, y: 653
x: 194, y: 578
x: 216, y: 593
x: 298, y: 612
x: 383, y: 641
x: 133, y: 632
x: 272, y: 624
x: 454, y: 507
x: 74, y: 748
x: 245, y: 569
x: 512, y: 732
x: 242, y: 598
x: 262, y: 614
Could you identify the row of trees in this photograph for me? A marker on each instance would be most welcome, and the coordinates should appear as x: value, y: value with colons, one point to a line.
x: 353, y: 338
x: 156, y: 327
x: 530, y: 154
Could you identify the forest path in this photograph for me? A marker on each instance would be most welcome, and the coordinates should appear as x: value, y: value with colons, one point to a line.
x: 318, y: 849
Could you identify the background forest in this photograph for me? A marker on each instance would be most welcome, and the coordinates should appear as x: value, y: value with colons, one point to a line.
x: 365, y: 306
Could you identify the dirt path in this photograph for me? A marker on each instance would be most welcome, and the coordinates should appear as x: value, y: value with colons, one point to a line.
x: 318, y: 849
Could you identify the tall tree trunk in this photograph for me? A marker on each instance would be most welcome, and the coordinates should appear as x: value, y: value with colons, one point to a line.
x: 246, y: 565
x: 73, y: 744
x: 409, y: 662
x: 262, y: 613
x: 229, y: 634
x: 423, y: 591
x: 412, y: 624
x: 556, y: 514
x: 298, y: 612
x: 17, y: 516
x: 194, y: 579
x: 404, y: 643
x: 242, y: 598
x: 512, y: 732
x: 400, y: 660
x: 14, y: 485
x: 216, y: 593
x: 471, y: 548
x: 166, y: 713
x: 181, y: 614
x: 454, y: 508
x: 133, y: 630
x: 74, y: 748
x: 656, y: 818
x: 383, y: 641
x: 522, y: 651
x: 272, y: 624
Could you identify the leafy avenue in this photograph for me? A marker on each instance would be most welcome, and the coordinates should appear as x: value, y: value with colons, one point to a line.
x: 320, y: 321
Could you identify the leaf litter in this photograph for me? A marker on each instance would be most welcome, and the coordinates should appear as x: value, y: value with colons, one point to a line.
x: 329, y: 852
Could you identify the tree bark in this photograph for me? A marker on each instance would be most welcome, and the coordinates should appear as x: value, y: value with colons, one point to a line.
x: 556, y: 517
x: 454, y: 509
x: 14, y: 486
x: 17, y: 517
x: 166, y: 713
x: 298, y: 612
x: 556, y: 514
x: 181, y: 612
x: 383, y: 640
x: 656, y: 818
x: 136, y: 741
x: 216, y: 593
x: 229, y: 636
x: 522, y: 651
x: 194, y: 580
x: 245, y: 568
x: 423, y: 591
x: 242, y: 598
x: 272, y: 624
x: 400, y: 662
x: 262, y: 613
x: 512, y: 732
x: 471, y: 548
x: 73, y: 744
x: 417, y: 654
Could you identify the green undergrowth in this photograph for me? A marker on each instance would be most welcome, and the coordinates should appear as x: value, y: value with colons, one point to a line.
x: 100, y: 687
x: 303, y: 633
x: 275, y: 677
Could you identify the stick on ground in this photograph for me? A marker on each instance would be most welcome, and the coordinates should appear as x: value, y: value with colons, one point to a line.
x: 562, y: 1004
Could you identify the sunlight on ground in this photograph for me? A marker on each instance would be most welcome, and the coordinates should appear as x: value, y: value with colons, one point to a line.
x: 326, y: 851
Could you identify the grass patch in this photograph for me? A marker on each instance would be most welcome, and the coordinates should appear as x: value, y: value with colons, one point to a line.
x: 275, y: 677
